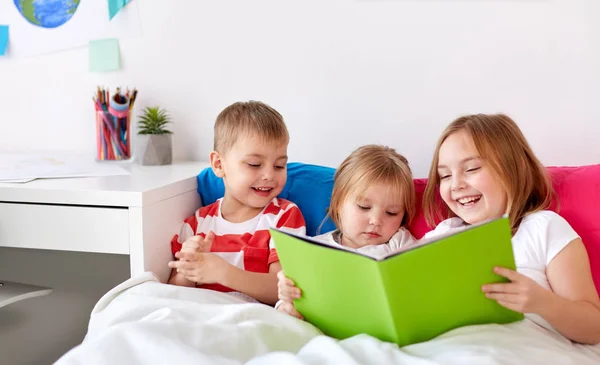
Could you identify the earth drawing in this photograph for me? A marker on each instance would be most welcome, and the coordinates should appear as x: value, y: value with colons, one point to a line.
x: 47, y: 13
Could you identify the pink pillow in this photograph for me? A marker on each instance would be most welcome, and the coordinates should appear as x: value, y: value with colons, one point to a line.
x: 578, y: 190
x: 418, y: 226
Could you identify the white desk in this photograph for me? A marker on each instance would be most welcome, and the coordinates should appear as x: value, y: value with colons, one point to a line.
x: 134, y: 215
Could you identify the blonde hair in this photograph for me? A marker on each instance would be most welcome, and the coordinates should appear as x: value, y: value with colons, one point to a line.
x: 368, y: 165
x: 252, y: 118
x: 501, y: 143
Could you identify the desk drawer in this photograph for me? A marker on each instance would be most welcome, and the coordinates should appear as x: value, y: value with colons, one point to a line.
x: 63, y: 227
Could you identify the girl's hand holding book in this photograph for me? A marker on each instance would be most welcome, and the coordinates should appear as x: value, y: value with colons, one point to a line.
x: 288, y: 307
x: 287, y: 292
x: 522, y: 294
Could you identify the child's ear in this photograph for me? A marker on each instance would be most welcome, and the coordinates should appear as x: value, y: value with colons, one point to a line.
x: 216, y: 164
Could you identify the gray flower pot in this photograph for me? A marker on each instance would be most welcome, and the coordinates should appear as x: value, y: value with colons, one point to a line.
x: 154, y: 149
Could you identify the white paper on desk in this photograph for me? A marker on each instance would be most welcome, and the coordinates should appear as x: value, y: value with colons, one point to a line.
x: 23, y: 166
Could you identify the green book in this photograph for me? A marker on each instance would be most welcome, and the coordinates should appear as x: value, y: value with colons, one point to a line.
x: 408, y: 296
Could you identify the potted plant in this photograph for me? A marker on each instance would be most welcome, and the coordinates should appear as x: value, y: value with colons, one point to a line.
x: 154, y: 140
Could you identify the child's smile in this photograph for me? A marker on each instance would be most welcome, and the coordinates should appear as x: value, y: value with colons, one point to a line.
x: 468, y: 201
x: 262, y: 191
x: 468, y: 185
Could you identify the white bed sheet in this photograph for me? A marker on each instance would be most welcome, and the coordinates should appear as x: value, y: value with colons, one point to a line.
x: 145, y: 322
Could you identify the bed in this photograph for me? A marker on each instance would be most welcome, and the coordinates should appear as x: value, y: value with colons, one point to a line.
x: 144, y: 321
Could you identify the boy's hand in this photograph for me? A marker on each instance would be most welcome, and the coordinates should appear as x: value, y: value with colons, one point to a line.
x: 287, y: 291
x: 202, y: 268
x: 198, y: 244
x: 522, y: 294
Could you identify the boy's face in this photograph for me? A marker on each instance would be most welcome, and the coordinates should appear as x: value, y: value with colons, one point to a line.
x: 371, y: 219
x: 254, y: 172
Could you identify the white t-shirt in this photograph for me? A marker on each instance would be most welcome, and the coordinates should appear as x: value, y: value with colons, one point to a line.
x: 540, y: 237
x: 400, y: 239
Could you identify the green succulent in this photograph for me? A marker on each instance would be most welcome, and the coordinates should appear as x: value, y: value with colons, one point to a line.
x: 154, y: 120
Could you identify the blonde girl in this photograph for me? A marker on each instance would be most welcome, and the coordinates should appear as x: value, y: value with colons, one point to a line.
x: 372, y: 203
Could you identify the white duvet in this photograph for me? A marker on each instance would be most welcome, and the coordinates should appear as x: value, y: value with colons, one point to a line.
x: 145, y: 322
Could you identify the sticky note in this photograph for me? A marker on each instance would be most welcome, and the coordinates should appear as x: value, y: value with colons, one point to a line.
x: 3, y: 39
x: 114, y: 6
x: 104, y: 55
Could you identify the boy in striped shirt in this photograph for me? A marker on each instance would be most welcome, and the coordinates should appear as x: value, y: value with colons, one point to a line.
x: 226, y: 246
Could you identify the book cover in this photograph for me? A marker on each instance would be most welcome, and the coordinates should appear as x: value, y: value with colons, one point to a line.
x: 409, y: 296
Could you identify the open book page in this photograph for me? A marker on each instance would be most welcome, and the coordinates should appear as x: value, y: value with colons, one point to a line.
x: 380, y: 257
x: 427, y: 241
x: 324, y: 243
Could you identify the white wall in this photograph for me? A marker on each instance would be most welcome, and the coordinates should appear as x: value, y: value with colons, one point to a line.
x: 342, y: 72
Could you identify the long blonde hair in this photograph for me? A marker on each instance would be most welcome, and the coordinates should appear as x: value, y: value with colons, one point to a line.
x: 501, y: 143
x: 368, y: 165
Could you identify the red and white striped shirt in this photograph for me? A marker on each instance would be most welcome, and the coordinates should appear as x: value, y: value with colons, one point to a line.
x: 247, y: 245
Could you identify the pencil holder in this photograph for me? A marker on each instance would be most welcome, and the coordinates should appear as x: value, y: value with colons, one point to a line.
x: 113, y: 127
x: 113, y: 135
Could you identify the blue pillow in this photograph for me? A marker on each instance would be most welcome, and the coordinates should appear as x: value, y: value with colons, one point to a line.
x: 309, y: 186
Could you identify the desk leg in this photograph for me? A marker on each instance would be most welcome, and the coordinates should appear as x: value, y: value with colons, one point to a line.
x: 151, y: 229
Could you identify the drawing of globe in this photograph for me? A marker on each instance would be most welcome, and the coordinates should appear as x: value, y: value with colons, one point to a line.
x: 47, y: 13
